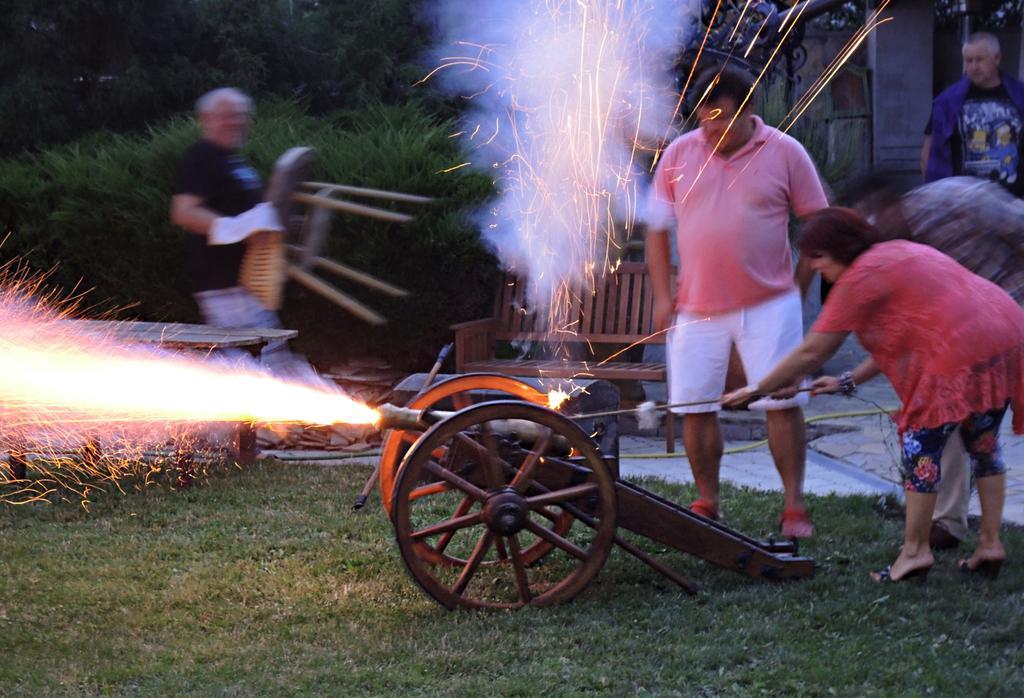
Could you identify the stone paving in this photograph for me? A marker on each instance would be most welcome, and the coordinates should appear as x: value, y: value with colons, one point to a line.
x: 753, y: 468
x: 873, y: 448
x: 847, y: 453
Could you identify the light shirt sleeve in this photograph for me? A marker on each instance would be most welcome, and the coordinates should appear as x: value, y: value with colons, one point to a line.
x: 806, y: 195
x: 660, y: 213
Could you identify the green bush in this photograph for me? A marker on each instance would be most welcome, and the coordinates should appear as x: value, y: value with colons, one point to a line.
x: 98, y: 211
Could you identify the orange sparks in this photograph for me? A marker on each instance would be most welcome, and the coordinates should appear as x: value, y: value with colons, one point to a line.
x: 93, y: 411
x: 50, y: 369
x: 453, y: 168
x: 556, y: 397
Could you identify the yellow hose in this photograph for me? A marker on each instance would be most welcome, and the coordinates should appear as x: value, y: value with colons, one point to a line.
x: 762, y: 442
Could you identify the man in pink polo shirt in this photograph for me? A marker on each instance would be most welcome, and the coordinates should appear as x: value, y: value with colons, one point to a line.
x: 730, y: 186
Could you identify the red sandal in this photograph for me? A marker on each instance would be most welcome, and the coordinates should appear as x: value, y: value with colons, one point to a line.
x: 704, y: 508
x: 796, y: 523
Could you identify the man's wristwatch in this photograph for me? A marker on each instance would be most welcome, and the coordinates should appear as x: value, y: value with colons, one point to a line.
x: 846, y: 384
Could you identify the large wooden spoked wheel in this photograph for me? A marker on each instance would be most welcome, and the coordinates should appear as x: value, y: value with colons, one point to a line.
x: 500, y: 491
x: 455, y: 393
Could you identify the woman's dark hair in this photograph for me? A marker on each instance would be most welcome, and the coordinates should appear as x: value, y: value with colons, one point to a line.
x: 839, y: 232
x: 730, y: 82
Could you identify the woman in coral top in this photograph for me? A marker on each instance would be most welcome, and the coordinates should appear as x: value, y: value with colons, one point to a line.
x: 950, y: 342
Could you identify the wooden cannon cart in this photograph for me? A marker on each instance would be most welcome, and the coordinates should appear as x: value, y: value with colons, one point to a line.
x: 506, y: 503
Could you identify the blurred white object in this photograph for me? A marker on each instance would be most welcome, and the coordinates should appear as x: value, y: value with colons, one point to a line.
x: 227, y: 231
x: 647, y: 416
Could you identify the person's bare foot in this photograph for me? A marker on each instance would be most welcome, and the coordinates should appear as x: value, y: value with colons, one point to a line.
x: 796, y: 523
x: 987, y: 559
x: 905, y: 567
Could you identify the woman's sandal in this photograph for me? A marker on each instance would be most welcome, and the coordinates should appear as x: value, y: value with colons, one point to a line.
x: 704, y: 508
x: 918, y: 574
x: 986, y: 568
x: 796, y: 523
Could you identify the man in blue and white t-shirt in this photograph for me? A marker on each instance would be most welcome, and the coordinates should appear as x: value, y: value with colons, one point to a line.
x: 975, y: 126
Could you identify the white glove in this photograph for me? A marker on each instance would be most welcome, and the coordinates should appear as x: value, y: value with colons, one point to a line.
x: 227, y: 231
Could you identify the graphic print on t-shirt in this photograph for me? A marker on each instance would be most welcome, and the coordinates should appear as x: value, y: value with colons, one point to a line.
x: 989, y: 134
x: 242, y: 172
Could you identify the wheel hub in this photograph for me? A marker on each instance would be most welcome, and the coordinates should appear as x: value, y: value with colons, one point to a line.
x: 505, y: 512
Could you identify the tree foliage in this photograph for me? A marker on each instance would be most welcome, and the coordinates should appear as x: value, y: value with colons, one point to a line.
x: 990, y: 14
x: 75, y: 66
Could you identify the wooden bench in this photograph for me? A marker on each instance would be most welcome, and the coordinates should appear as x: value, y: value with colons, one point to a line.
x: 181, y: 336
x: 617, y: 314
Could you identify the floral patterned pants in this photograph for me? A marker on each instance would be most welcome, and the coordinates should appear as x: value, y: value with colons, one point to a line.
x: 922, y: 449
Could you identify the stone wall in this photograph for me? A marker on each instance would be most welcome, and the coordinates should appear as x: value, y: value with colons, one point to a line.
x: 900, y: 54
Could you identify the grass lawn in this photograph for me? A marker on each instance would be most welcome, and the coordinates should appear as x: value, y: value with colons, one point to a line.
x: 264, y: 582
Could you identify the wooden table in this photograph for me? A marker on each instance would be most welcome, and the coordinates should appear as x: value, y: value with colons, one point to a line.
x: 183, y: 336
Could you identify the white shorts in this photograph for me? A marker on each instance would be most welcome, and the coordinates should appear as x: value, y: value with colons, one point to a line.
x: 698, y: 351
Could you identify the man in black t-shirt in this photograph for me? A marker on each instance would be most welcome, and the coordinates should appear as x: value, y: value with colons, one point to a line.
x: 975, y: 125
x: 218, y: 200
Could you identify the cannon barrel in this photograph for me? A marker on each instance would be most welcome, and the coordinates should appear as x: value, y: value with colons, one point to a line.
x: 393, y: 417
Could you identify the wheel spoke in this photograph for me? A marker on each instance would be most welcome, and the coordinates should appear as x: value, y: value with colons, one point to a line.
x: 447, y: 536
x: 473, y: 562
x: 556, y: 496
x: 449, y: 525
x: 522, y: 479
x: 556, y: 540
x: 484, y: 454
x: 522, y: 581
x: 427, y: 490
x: 548, y: 514
x: 489, y: 457
x: 499, y: 545
x: 461, y: 401
x: 454, y: 480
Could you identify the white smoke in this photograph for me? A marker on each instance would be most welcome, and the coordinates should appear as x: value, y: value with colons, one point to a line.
x: 566, y: 99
